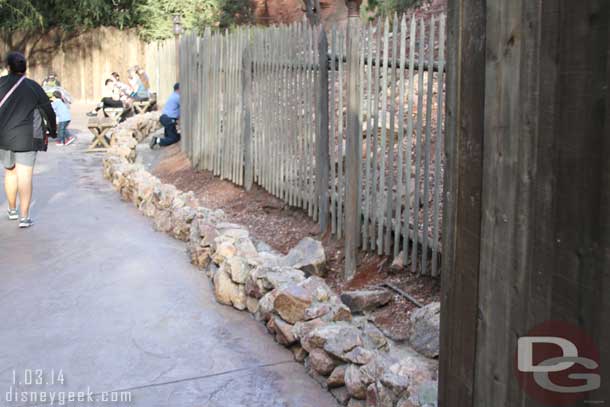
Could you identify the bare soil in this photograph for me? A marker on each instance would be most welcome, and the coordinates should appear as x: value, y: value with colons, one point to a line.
x: 271, y: 220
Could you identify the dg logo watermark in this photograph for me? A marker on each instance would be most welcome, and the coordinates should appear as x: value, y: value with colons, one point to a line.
x: 557, y: 364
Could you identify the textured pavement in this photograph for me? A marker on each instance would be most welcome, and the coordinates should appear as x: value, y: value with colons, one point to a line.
x: 94, y: 292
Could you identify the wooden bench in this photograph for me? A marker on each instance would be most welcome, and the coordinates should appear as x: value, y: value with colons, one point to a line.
x: 100, y: 128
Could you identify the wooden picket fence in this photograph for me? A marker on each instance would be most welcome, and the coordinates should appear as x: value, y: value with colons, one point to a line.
x: 161, y: 67
x: 270, y: 106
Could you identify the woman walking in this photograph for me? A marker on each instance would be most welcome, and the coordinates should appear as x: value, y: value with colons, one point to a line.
x: 26, y: 121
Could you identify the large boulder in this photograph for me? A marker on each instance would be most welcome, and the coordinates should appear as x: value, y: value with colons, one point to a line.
x: 425, y: 330
x: 336, y: 338
x: 264, y: 279
x: 293, y: 301
x: 366, y: 300
x: 308, y: 255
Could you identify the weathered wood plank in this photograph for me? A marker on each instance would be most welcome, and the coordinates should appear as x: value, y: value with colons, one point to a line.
x: 400, y: 199
x: 418, y: 149
x: 383, y: 144
x: 353, y: 133
x: 323, y: 159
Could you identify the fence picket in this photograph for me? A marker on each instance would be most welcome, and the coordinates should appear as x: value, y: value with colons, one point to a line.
x: 438, y: 148
x: 418, y: 145
x: 401, y: 130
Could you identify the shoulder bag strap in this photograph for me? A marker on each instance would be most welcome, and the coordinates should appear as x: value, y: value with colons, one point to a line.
x: 10, y: 92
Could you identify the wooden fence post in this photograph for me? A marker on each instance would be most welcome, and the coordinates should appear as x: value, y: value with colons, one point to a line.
x: 246, y: 88
x: 352, y: 195
x: 323, y: 158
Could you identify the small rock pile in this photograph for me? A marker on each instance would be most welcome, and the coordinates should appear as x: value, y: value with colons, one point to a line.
x: 339, y: 346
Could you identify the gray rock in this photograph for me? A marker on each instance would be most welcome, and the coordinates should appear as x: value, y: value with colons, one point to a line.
x: 396, y: 383
x: 425, y: 330
x: 283, y: 332
x: 366, y: 300
x: 303, y: 328
x: 342, y: 343
x: 321, y: 362
x: 340, y: 337
x: 354, y: 382
x: 424, y: 394
x: 239, y: 269
x: 265, y: 306
x: 356, y: 403
x: 299, y: 353
x: 163, y: 221
x: 341, y: 395
x: 358, y: 356
x: 264, y: 279
x: 378, y: 395
x: 308, y: 255
x: 245, y: 248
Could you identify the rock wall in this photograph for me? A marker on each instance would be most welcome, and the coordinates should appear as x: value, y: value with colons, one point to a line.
x: 339, y: 347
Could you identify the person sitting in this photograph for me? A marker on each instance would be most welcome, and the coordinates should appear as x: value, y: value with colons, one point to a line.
x: 110, y: 98
x: 138, y: 80
x: 123, y: 89
x: 169, y: 118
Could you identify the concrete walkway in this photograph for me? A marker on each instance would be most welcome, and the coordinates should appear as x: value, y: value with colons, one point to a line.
x: 93, y: 291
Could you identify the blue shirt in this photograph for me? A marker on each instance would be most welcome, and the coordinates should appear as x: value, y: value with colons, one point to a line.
x: 61, y: 111
x: 172, y: 107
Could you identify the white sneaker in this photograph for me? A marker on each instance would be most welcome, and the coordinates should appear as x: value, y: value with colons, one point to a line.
x: 25, y: 223
x: 13, y: 214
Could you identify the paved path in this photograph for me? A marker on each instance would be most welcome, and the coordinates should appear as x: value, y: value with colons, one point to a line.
x: 92, y: 290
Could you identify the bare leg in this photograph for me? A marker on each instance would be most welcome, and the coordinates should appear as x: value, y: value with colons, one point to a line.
x: 24, y: 179
x: 10, y: 187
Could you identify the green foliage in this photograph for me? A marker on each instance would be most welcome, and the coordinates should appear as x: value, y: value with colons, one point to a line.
x: 389, y: 7
x: 152, y: 17
x: 67, y: 14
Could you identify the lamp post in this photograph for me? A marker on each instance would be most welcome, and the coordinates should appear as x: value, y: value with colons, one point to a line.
x: 177, y: 20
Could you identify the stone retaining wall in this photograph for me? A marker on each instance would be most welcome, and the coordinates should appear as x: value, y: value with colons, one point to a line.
x: 339, y: 347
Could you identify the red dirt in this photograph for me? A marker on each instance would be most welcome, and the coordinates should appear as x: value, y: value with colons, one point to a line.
x: 282, y: 227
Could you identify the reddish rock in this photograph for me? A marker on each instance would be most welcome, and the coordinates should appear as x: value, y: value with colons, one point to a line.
x: 321, y: 362
x: 337, y: 377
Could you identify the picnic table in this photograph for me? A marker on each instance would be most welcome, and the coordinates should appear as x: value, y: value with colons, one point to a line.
x: 114, y: 113
x: 144, y: 106
x: 100, y: 127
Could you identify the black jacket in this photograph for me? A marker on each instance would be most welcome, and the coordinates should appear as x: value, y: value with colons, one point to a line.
x: 17, y: 114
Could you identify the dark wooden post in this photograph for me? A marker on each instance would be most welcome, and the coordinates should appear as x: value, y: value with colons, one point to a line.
x: 527, y: 222
x: 323, y: 156
x: 246, y: 106
x: 353, y: 132
x: 462, y: 207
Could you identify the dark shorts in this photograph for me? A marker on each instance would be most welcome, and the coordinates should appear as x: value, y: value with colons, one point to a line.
x: 8, y: 159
